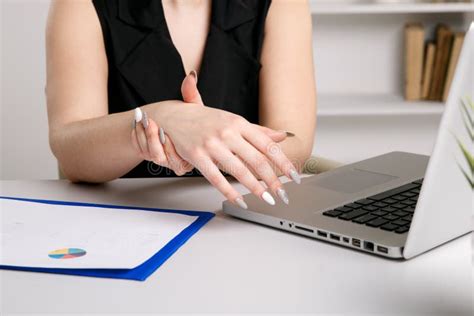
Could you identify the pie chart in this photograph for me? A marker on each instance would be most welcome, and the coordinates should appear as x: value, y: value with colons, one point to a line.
x: 67, y: 253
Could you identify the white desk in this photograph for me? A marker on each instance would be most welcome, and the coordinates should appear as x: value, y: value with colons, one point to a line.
x: 235, y: 266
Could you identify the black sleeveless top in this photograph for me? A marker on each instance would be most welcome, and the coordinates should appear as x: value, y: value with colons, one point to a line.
x: 145, y: 66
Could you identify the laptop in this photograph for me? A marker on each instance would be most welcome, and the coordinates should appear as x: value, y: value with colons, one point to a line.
x: 397, y: 205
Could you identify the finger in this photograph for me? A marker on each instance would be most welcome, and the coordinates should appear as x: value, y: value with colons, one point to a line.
x: 234, y: 166
x: 176, y: 163
x: 184, y: 165
x: 261, y: 166
x: 135, y: 143
x: 155, y: 149
x: 276, y: 136
x: 188, y: 168
x: 189, y: 89
x: 210, y: 171
x: 142, y: 142
x: 272, y: 151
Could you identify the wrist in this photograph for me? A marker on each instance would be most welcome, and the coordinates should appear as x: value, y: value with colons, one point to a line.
x: 160, y: 111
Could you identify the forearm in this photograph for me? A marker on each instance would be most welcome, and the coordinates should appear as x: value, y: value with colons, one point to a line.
x: 95, y: 150
x: 287, y: 81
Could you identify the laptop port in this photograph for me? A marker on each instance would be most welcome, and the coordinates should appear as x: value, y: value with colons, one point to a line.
x: 382, y: 249
x: 368, y: 246
x: 334, y: 237
x: 281, y: 223
x: 356, y: 242
x: 322, y: 234
x: 304, y: 229
x: 345, y: 239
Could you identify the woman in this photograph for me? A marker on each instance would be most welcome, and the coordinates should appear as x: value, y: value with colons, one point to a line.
x: 249, y: 62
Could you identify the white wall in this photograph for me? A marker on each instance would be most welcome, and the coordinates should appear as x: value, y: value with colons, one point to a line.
x: 25, y: 152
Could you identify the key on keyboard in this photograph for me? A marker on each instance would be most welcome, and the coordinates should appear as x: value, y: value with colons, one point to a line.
x: 391, y: 210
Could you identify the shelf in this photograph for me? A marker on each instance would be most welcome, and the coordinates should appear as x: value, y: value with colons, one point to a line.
x: 372, y: 7
x: 374, y: 105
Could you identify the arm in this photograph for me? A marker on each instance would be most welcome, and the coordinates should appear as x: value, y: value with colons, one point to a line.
x: 287, y: 84
x: 89, y: 144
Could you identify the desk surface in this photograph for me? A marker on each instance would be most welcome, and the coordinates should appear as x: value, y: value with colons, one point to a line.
x: 235, y: 266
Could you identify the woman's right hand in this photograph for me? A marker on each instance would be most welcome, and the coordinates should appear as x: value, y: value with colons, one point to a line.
x: 211, y: 139
x: 147, y: 142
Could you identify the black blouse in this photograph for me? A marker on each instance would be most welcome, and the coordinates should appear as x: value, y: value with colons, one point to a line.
x: 145, y: 66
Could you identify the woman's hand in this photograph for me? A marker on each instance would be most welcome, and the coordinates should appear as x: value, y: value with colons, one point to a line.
x: 159, y: 149
x: 146, y: 141
x: 213, y: 139
x: 153, y: 144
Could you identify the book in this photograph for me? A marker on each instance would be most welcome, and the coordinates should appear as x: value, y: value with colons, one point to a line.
x: 453, y: 60
x: 428, y: 70
x: 414, y: 49
x: 443, y: 47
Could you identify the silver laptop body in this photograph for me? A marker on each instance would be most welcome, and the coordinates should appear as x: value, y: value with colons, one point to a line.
x: 324, y: 206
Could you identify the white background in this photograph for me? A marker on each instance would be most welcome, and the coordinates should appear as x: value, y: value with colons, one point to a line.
x: 25, y: 150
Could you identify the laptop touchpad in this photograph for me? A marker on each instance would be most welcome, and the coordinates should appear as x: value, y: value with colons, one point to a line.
x: 353, y: 181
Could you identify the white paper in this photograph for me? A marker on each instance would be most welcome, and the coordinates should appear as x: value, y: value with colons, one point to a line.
x: 111, y: 238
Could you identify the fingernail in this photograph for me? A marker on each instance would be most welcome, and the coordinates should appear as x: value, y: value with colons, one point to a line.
x: 240, y: 202
x: 267, y: 197
x: 138, y: 115
x: 162, y: 136
x: 288, y: 134
x: 283, y: 196
x: 195, y: 75
x: 295, y: 176
x: 145, y: 120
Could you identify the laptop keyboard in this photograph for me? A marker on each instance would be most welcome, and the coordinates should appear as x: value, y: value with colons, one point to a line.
x: 391, y: 210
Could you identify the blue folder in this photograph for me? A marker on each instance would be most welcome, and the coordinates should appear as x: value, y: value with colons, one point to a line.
x: 139, y: 273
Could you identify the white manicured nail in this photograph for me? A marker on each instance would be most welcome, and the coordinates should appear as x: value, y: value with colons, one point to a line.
x: 240, y: 202
x: 267, y: 197
x: 295, y: 176
x: 283, y: 196
x: 138, y: 115
x: 162, y: 136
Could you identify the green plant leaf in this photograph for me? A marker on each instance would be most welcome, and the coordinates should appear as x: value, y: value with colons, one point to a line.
x: 470, y: 102
x: 467, y: 114
x: 471, y: 181
x: 467, y: 155
x: 469, y: 130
